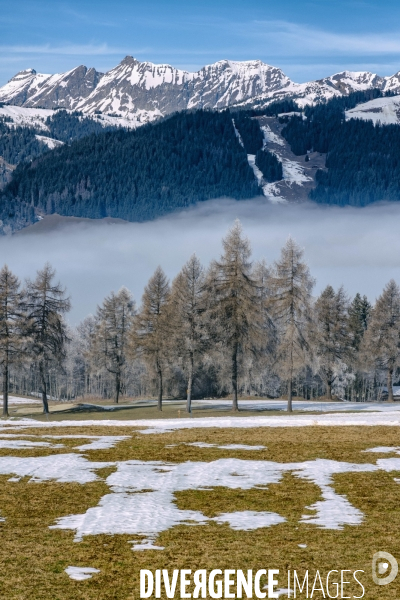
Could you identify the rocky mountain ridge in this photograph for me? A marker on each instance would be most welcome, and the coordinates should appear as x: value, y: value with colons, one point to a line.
x: 143, y: 91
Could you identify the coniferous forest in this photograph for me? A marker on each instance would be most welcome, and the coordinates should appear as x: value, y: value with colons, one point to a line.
x: 235, y: 327
x: 139, y: 175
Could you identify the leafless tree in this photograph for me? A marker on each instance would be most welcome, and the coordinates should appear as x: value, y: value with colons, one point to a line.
x: 114, y: 320
x: 46, y: 305
x: 291, y: 285
x: 188, y: 307
x: 12, y: 327
x: 235, y: 301
x: 152, y: 326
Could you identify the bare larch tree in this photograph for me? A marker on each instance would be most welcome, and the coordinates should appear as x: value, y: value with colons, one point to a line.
x: 46, y: 305
x: 152, y: 326
x: 382, y: 338
x: 236, y: 304
x: 291, y: 285
x: 114, y: 320
x: 12, y: 327
x: 188, y: 306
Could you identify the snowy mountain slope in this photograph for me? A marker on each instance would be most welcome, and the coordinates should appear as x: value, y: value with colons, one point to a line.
x: 32, y: 89
x: 381, y: 110
x: 143, y: 88
x: 340, y: 84
x: 36, y: 118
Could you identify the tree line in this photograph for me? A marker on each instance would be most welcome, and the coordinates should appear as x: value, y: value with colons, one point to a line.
x: 236, y: 328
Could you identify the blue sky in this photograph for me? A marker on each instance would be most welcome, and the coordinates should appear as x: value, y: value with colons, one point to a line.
x: 308, y: 39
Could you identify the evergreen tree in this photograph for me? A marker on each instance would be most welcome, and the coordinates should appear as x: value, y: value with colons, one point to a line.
x: 331, y: 336
x: 46, y: 305
x: 113, y: 328
x: 291, y: 286
x: 12, y: 327
x: 152, y: 326
x: 359, y: 315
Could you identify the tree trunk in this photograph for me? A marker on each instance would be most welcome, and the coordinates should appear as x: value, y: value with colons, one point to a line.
x: 235, y: 406
x: 189, y: 387
x: 5, y: 389
x: 117, y: 387
x: 44, y: 392
x: 289, y: 398
x: 390, y: 385
x: 160, y: 389
x: 329, y: 390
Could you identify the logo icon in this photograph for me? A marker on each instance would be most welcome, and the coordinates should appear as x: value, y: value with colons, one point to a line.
x: 381, y: 563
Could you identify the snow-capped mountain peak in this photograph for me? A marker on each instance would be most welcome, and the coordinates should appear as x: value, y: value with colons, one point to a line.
x: 143, y: 91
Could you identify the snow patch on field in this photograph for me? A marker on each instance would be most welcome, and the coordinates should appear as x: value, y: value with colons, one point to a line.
x: 63, y: 468
x: 14, y: 400
x: 24, y: 444
x: 225, y: 447
x: 247, y: 520
x: 99, y: 442
x: 81, y: 573
x: 143, y: 498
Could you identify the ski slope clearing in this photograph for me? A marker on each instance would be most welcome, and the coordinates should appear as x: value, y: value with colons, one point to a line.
x: 381, y: 110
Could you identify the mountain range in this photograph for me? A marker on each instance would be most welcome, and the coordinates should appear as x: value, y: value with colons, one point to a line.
x: 143, y: 91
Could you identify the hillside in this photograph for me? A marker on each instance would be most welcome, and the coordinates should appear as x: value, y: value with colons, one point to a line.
x: 139, y: 175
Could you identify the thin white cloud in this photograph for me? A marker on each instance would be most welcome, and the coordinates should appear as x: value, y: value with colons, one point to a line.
x: 69, y: 49
x: 294, y: 39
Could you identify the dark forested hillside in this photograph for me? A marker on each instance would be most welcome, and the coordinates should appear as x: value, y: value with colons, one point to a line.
x: 363, y: 159
x: 141, y: 174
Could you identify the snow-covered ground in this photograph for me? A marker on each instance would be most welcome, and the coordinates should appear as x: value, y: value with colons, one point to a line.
x: 15, y: 400
x: 36, y: 117
x: 381, y: 110
x: 141, y: 498
x: 51, y: 143
x: 81, y: 573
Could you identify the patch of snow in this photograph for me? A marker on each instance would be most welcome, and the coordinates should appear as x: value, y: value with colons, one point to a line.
x: 271, y: 137
x: 385, y: 449
x: 133, y: 509
x: 224, y: 447
x: 381, y: 110
x: 23, y: 444
x: 99, y: 442
x: 247, y: 520
x: 81, y: 573
x: 302, y: 545
x: 14, y: 400
x: 51, y: 143
x: 293, y: 172
x: 239, y: 137
x: 63, y: 468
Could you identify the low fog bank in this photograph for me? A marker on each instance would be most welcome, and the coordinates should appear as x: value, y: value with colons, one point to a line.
x: 359, y: 248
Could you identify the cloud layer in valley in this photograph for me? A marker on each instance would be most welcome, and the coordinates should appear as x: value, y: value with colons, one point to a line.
x: 359, y: 248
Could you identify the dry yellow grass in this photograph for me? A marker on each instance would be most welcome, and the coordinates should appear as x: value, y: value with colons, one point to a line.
x: 33, y: 557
